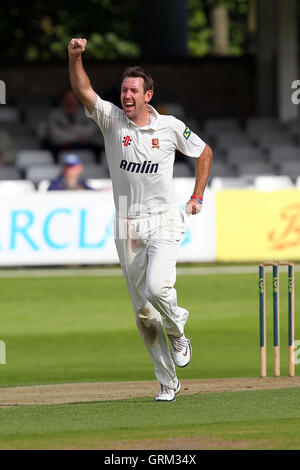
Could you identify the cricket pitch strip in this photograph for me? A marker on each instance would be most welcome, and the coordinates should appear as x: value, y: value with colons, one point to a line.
x: 107, y: 391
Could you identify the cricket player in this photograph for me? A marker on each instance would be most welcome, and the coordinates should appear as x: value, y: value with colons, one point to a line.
x: 140, y: 147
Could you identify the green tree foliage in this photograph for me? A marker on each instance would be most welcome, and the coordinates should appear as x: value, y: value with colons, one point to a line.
x: 200, y: 30
x: 238, y: 15
x: 40, y: 31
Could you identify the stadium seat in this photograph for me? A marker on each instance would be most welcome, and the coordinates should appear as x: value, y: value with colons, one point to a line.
x: 270, y: 138
x: 218, y: 156
x: 214, y: 126
x: 273, y: 182
x: 95, y: 171
x: 245, y: 153
x: 254, y: 168
x: 259, y: 125
x: 238, y: 182
x: 9, y: 114
x: 295, y: 133
x: 293, y: 126
x: 26, y: 142
x: 35, y: 109
x: 36, y: 115
x: 182, y: 170
x: 87, y: 156
x: 227, y: 140
x: 296, y: 136
x: 280, y: 153
x: 103, y: 184
x: 26, y: 158
x: 8, y: 172
x: 219, y: 168
x: 290, y: 168
x: 15, y: 129
x: 37, y: 173
x: 16, y: 188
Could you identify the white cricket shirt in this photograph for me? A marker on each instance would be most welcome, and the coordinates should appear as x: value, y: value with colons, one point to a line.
x: 141, y: 159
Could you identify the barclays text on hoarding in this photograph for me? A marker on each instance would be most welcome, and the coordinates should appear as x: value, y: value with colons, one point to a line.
x: 23, y: 221
x: 59, y: 228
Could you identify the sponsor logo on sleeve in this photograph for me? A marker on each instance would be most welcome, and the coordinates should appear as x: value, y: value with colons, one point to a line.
x: 187, y: 133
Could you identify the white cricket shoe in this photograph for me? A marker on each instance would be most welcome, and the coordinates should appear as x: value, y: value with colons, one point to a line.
x: 181, y: 349
x: 167, y: 394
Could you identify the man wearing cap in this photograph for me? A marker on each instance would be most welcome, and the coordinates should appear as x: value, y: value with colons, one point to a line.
x: 70, y: 178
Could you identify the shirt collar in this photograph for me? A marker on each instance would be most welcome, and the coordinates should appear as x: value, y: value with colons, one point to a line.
x: 154, y: 118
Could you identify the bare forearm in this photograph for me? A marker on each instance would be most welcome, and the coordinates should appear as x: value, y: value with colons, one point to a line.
x: 80, y: 82
x: 194, y: 205
x: 202, y: 171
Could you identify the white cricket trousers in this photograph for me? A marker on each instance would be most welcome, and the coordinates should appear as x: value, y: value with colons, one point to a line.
x: 147, y: 249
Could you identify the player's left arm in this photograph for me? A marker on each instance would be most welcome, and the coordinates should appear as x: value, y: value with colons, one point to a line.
x: 194, y: 205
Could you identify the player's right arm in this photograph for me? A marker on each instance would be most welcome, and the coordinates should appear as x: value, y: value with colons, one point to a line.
x: 79, y: 80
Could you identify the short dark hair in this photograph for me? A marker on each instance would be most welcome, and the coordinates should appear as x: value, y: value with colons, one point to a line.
x: 137, y: 71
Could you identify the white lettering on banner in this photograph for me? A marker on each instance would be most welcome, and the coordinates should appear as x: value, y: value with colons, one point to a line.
x: 77, y: 227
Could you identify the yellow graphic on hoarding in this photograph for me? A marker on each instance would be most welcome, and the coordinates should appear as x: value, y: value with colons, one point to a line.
x: 288, y: 234
x: 256, y: 225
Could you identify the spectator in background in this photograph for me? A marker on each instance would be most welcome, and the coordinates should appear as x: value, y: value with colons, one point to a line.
x: 7, y: 149
x: 70, y: 178
x: 69, y: 128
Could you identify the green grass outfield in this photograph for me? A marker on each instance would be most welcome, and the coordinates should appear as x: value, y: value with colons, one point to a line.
x: 234, y: 420
x: 81, y: 329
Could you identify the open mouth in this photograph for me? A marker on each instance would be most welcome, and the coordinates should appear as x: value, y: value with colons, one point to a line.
x: 129, y: 106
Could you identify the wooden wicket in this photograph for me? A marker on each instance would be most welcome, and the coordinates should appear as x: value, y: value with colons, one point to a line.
x: 276, y: 317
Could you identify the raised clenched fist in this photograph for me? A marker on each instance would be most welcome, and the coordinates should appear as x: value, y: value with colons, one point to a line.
x: 76, y: 47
